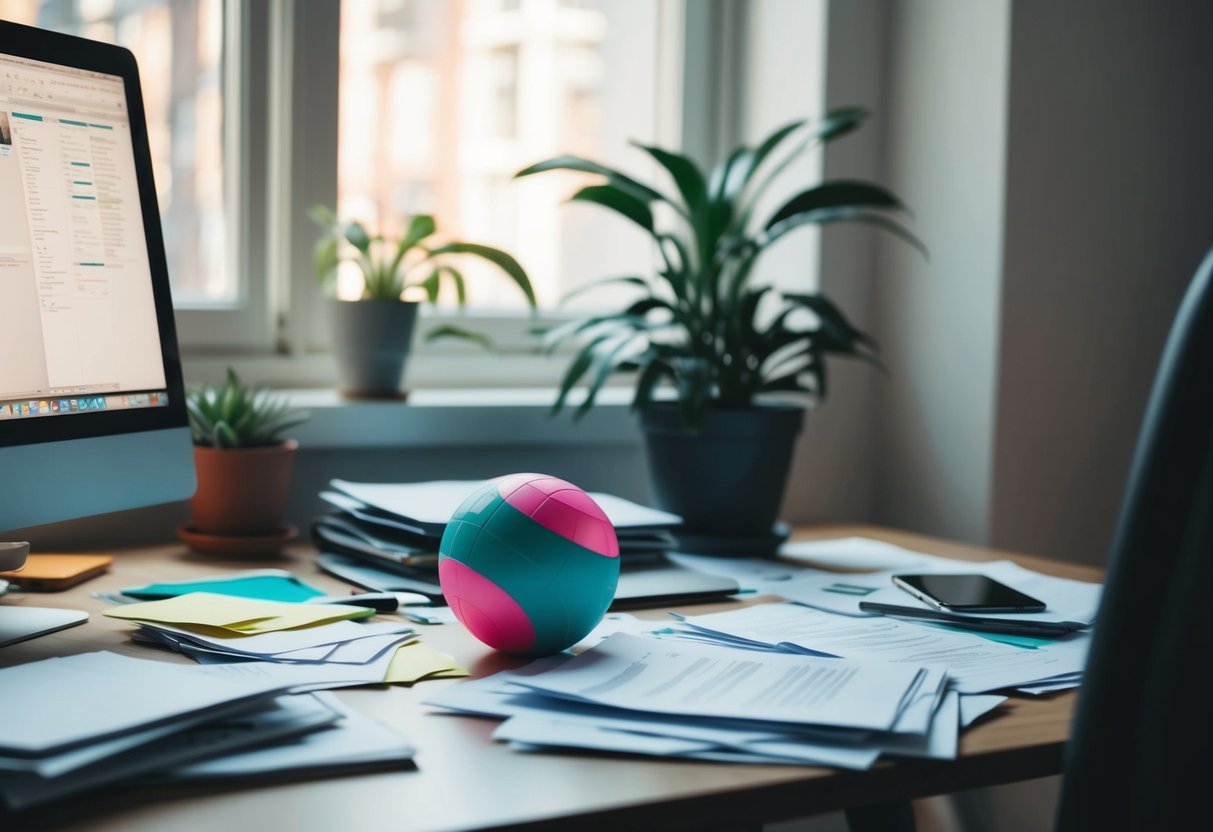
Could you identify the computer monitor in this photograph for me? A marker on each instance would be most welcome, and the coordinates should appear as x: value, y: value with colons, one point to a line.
x: 92, y: 405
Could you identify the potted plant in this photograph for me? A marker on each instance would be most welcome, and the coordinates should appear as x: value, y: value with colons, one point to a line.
x: 715, y: 357
x: 372, y: 336
x: 244, y: 466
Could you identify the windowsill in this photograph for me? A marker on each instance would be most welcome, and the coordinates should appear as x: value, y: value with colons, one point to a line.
x: 449, y: 418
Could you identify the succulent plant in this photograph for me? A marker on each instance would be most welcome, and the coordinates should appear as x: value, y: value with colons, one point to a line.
x: 234, y: 415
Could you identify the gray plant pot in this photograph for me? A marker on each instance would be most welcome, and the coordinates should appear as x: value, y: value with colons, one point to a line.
x: 371, y: 342
x: 727, y: 480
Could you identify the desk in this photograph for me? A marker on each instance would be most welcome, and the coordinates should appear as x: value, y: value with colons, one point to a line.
x: 463, y: 780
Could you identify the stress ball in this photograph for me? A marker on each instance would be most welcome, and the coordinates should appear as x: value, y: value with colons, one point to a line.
x: 529, y: 564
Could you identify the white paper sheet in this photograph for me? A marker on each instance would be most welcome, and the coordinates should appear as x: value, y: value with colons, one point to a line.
x: 433, y: 502
x: 661, y: 676
x: 974, y: 706
x: 355, y: 742
x: 549, y: 721
x: 976, y: 665
x: 266, y: 645
x: 537, y: 730
x: 760, y: 575
x: 1066, y: 600
x: 82, y: 698
x: 285, y: 716
x: 853, y: 554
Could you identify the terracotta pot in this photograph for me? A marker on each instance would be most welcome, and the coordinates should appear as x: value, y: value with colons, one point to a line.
x: 242, y: 491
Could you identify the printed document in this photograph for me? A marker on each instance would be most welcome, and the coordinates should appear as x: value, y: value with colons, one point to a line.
x: 974, y: 664
x: 662, y: 676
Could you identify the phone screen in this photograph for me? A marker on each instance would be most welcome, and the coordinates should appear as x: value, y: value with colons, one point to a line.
x: 967, y: 593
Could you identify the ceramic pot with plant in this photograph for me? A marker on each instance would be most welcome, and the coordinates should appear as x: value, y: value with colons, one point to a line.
x: 244, y: 461
x: 715, y: 357
x: 373, y: 335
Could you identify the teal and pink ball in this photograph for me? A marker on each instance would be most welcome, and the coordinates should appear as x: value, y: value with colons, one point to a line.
x: 529, y: 564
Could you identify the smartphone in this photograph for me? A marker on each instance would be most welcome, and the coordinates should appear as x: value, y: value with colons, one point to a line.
x: 52, y: 573
x: 967, y: 593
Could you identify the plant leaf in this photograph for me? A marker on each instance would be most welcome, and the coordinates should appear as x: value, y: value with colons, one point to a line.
x: 499, y: 258
x: 837, y: 122
x: 326, y: 258
x: 827, y: 215
x: 653, y: 370
x: 608, y: 361
x: 420, y: 227
x: 430, y: 285
x: 452, y: 331
x: 686, y: 174
x: 616, y: 178
x: 358, y: 237
x: 577, y: 368
x: 322, y: 215
x: 461, y: 289
x: 630, y: 280
x: 619, y: 201
x: 841, y: 193
x: 694, y: 377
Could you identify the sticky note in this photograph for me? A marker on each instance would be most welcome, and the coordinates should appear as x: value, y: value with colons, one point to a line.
x: 263, y: 586
x: 242, y: 615
x: 415, y: 661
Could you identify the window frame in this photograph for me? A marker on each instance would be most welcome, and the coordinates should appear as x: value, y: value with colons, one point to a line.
x: 244, y: 324
x: 278, y: 332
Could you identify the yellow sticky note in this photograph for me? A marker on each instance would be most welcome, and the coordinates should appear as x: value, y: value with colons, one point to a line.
x: 414, y: 662
x: 241, y: 615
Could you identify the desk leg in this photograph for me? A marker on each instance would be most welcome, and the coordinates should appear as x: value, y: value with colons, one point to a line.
x: 897, y: 816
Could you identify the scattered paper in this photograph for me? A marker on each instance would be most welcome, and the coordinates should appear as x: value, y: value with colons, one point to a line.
x: 627, y: 671
x: 853, y: 554
x: 239, y: 615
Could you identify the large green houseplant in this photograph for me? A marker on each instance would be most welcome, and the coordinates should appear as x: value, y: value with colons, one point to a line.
x: 707, y: 346
x: 373, y: 335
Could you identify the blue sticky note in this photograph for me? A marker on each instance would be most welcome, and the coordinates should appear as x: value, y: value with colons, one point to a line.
x: 284, y: 587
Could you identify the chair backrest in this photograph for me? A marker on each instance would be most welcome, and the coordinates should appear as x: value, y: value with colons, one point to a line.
x: 1143, y: 731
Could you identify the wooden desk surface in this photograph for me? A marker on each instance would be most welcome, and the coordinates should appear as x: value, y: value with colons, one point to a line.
x: 463, y: 780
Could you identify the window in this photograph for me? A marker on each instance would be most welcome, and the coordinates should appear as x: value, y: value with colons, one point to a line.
x: 441, y: 103
x: 179, y: 47
x: 386, y: 108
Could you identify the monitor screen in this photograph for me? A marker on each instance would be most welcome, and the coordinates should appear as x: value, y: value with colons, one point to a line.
x: 92, y: 404
x: 77, y: 307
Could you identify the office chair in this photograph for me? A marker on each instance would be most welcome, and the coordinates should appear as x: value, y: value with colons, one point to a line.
x: 1143, y: 728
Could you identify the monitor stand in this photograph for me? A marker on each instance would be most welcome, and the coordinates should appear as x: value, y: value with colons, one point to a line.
x: 18, y: 623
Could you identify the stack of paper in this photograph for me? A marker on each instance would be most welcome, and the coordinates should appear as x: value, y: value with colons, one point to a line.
x: 89, y: 720
x: 643, y: 695
x: 401, y: 524
x: 314, y: 645
x: 975, y: 664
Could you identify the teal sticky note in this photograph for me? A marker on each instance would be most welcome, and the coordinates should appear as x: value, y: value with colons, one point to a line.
x: 1027, y: 642
x: 284, y: 587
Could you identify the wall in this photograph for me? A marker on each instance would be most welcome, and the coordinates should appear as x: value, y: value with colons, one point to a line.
x: 938, y: 321
x: 450, y: 435
x: 834, y: 471
x: 1109, y: 172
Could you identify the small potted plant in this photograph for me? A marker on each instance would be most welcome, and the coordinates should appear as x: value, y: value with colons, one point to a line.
x: 373, y: 335
x: 713, y: 354
x: 244, y: 467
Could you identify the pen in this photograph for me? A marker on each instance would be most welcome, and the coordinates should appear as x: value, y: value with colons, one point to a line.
x: 380, y: 601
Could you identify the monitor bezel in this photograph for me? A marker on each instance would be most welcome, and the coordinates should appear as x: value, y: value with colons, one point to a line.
x: 79, y: 53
